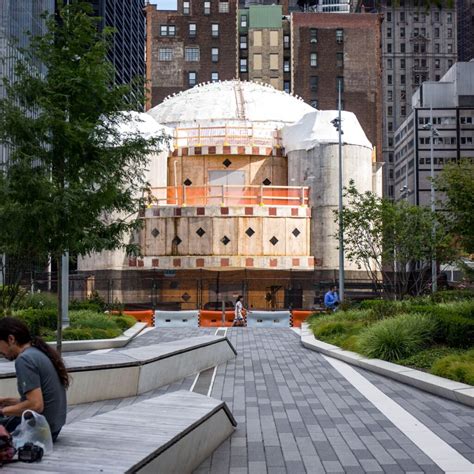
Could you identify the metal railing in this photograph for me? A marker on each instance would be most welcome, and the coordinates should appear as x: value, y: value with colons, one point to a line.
x: 231, y: 195
x: 227, y: 135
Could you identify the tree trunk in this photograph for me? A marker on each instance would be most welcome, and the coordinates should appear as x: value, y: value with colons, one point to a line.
x: 59, y: 330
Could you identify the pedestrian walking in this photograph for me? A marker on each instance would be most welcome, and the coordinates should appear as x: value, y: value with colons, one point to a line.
x: 239, y: 309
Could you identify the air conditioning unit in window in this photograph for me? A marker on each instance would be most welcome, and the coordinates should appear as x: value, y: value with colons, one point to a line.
x: 313, y: 40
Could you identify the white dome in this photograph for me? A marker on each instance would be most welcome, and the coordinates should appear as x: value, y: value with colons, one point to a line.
x: 228, y: 101
x: 316, y: 127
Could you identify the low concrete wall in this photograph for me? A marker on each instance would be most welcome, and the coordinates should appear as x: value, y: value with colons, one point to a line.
x: 268, y: 319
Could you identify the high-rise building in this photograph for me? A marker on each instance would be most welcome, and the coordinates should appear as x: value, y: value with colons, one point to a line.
x: 465, y: 21
x: 328, y: 50
x: 447, y: 106
x: 193, y: 44
x: 418, y: 44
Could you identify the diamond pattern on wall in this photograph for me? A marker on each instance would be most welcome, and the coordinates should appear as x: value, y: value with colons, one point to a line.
x: 188, y: 182
x: 296, y: 232
x: 200, y: 232
x: 250, y: 232
x: 225, y: 240
x: 176, y: 241
x: 266, y: 182
x: 273, y: 240
x: 155, y: 232
x: 227, y: 162
x: 186, y: 297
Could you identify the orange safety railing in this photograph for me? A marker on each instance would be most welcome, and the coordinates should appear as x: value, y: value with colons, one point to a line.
x: 299, y: 316
x: 214, y: 318
x: 227, y: 135
x: 231, y: 195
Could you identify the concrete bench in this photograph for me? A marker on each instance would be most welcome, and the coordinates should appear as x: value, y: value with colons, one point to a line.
x: 177, y: 319
x: 268, y: 319
x: 130, y: 372
x: 173, y: 433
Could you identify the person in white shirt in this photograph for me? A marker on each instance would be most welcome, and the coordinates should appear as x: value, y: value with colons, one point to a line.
x: 239, y: 318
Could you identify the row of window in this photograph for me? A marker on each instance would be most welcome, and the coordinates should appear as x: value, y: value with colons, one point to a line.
x: 170, y: 30
x: 420, y: 16
x: 420, y: 32
x: 437, y: 161
x: 223, y: 7
x: 466, y: 120
x: 193, y: 77
x: 313, y: 35
x: 257, y: 63
x: 191, y: 53
x: 420, y: 48
x: 258, y: 42
x: 444, y: 140
x: 418, y: 63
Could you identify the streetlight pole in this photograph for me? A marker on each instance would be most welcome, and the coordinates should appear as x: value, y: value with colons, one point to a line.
x: 434, y: 272
x: 341, y: 229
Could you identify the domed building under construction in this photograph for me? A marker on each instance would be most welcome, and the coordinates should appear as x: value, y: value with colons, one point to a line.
x: 243, y: 202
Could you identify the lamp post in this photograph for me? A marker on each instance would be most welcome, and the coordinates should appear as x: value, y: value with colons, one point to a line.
x: 433, y: 133
x: 337, y: 122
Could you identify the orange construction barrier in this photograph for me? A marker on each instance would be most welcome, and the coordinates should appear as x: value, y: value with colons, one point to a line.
x: 144, y: 316
x: 300, y: 316
x: 214, y: 318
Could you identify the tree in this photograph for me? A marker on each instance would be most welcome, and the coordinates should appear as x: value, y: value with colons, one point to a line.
x: 74, y: 182
x: 393, y: 242
x: 456, y: 182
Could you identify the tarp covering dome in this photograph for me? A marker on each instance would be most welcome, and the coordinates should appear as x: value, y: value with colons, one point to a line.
x: 230, y: 101
x: 316, y: 128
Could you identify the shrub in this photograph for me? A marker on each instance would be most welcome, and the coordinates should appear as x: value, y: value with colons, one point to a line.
x: 124, y: 322
x: 426, y: 358
x: 396, y: 338
x: 38, y: 301
x: 36, y: 319
x: 382, y: 309
x: 88, y: 305
x: 458, y: 367
x: 452, y: 295
x: 91, y: 319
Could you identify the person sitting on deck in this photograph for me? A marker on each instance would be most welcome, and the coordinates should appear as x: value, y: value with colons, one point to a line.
x: 41, y: 375
x: 331, y: 298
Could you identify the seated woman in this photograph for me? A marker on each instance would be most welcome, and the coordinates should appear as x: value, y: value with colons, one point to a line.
x: 41, y: 376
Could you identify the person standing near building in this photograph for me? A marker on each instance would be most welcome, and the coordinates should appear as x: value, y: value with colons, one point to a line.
x: 331, y: 298
x: 239, y: 308
x: 41, y: 375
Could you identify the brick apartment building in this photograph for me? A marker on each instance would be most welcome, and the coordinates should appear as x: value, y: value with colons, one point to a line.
x: 193, y: 44
x: 330, y: 48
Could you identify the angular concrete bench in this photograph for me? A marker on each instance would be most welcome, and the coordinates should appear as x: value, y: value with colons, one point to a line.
x: 173, y: 433
x: 130, y: 372
x: 177, y: 319
x: 268, y: 319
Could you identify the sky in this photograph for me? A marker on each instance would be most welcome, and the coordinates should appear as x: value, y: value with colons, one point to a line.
x: 165, y: 4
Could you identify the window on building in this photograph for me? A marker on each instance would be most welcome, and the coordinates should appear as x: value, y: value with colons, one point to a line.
x: 191, y: 53
x: 313, y: 35
x: 215, y: 30
x: 390, y: 157
x: 273, y: 38
x: 167, y: 30
x: 449, y: 48
x: 402, y: 16
x: 165, y: 54
x: 450, y: 32
x: 314, y: 103
x: 402, y: 79
x: 339, y: 59
x: 340, y: 83
x: 274, y: 62
x: 389, y: 110
x: 436, y: 32
x: 389, y: 16
x: 243, y: 65
x: 389, y: 47
x: 389, y: 32
x: 171, y: 30
x: 423, y: 48
x: 389, y: 79
x: 192, y: 29
x: 339, y: 36
x: 402, y: 32
x: 214, y: 55
x: 416, y: 16
x: 192, y: 78
x: 449, y: 17
x: 313, y: 59
x: 390, y: 126
x: 214, y: 76
x: 243, y: 21
x: 286, y: 41
x: 257, y: 38
x: 416, y: 32
x: 223, y: 7
x: 437, y: 63
x: 403, y: 110
x: 286, y: 65
x: 450, y: 63
x: 207, y: 8
x: 402, y: 47
x: 402, y: 63
x: 257, y: 62
x: 186, y: 8
x: 390, y: 95
x: 416, y: 48
x: 313, y: 82
x: 390, y: 173
x: 436, y: 16
x: 437, y: 48
x: 437, y: 77
x: 403, y: 95
x: 243, y: 42
x: 286, y: 86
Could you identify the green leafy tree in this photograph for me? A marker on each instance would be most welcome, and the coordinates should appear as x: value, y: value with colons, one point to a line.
x: 456, y: 182
x: 74, y: 181
x: 393, y: 242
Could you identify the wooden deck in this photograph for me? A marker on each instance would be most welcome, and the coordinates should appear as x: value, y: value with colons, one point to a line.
x: 171, y: 433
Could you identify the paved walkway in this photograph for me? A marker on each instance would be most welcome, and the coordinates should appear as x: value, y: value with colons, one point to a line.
x: 298, y: 413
